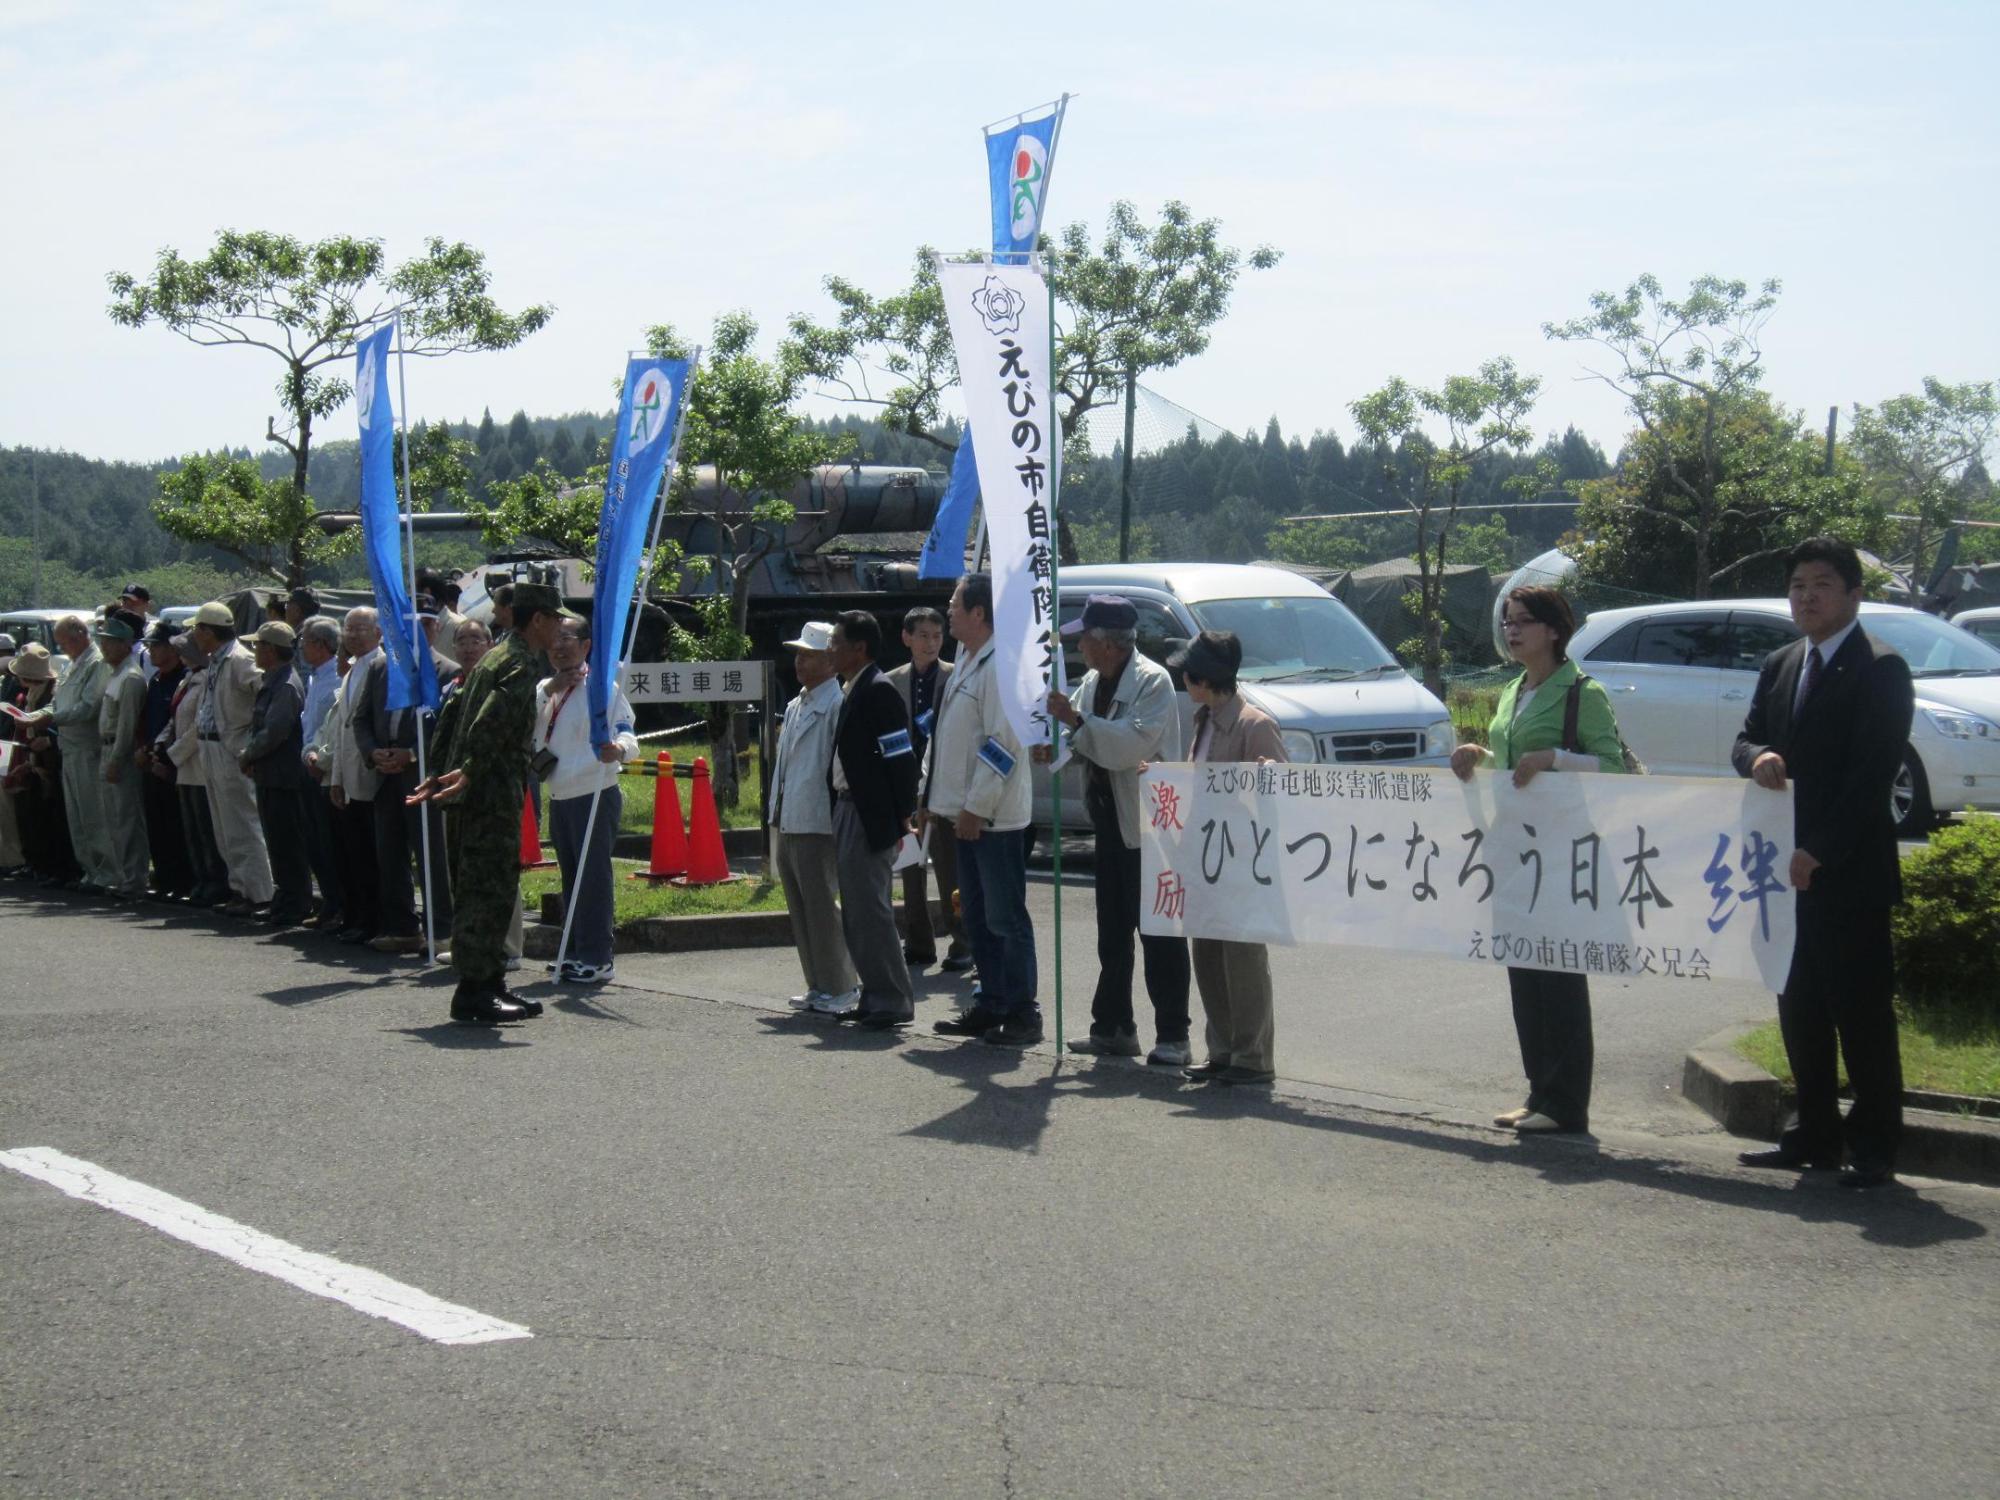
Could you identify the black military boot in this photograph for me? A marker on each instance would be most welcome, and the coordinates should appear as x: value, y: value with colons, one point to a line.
x: 482, y: 1005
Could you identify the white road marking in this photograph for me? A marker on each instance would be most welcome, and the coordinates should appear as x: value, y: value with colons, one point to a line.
x: 363, y: 1290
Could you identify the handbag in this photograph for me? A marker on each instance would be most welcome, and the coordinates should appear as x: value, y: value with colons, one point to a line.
x: 1572, y: 707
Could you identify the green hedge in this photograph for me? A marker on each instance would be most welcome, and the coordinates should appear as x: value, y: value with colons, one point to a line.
x: 1948, y: 927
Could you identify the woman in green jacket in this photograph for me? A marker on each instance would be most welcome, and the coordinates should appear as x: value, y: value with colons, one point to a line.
x: 1551, y: 1009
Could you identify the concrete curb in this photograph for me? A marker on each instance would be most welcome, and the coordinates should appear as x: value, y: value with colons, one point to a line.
x: 1745, y: 1100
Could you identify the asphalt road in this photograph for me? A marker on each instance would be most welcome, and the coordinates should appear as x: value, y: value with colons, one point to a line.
x: 765, y: 1256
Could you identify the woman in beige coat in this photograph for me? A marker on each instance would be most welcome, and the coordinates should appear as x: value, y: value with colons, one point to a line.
x: 1234, y: 979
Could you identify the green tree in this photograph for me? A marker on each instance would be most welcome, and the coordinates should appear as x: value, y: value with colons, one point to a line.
x: 306, y: 304
x: 1316, y: 544
x: 1918, y: 449
x: 1772, y: 491
x: 739, y: 425
x: 1481, y: 414
x: 1671, y: 359
x: 1144, y: 297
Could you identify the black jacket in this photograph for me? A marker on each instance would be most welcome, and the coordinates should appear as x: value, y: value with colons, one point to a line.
x: 372, y: 721
x: 276, y: 737
x: 1841, y: 756
x: 871, y: 740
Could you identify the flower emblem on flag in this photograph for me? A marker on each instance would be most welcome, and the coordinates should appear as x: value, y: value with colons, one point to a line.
x: 999, y: 306
x: 364, y: 385
x: 1024, y: 194
x: 649, y: 408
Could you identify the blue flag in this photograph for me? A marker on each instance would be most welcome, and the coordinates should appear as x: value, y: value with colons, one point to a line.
x: 1019, y: 157
x: 647, y: 416
x: 944, y: 548
x: 381, y: 525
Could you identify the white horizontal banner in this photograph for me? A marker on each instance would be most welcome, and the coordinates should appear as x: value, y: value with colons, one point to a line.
x: 1677, y: 877
x: 695, y: 682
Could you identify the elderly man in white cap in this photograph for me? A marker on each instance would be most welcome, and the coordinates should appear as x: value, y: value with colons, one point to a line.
x: 228, y: 703
x: 802, y: 826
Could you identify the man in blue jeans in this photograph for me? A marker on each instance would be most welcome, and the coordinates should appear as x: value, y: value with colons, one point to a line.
x: 979, y: 782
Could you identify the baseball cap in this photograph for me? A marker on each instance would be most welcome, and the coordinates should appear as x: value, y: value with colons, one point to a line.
x: 276, y: 633
x: 1104, y: 612
x: 214, y: 613
x: 136, y: 591
x: 111, y: 628
x: 814, y: 635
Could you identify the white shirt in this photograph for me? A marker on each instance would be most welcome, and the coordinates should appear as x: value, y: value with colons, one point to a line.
x: 562, y: 724
x: 1827, y: 650
x: 805, y: 749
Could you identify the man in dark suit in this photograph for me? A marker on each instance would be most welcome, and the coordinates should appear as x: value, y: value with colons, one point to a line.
x: 387, y: 740
x: 921, y: 682
x: 873, y: 777
x: 1831, y: 717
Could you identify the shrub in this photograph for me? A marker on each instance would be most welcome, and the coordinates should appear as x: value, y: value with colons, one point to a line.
x: 1948, y: 928
x: 1471, y: 711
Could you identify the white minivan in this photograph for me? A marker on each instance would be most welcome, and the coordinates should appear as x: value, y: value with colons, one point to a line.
x: 1339, y: 695
x: 1681, y: 677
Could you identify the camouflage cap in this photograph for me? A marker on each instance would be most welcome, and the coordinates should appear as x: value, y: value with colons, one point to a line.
x: 529, y: 596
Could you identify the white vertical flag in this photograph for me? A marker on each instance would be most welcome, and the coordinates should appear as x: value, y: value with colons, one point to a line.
x: 999, y: 319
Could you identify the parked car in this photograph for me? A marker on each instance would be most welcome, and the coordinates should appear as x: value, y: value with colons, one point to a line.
x: 1984, y: 623
x: 27, y: 625
x: 1681, y: 677
x: 1339, y: 695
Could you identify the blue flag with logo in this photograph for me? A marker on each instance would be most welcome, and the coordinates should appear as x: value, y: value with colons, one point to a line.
x: 381, y: 524
x: 1019, y: 158
x: 944, y: 548
x: 648, y: 413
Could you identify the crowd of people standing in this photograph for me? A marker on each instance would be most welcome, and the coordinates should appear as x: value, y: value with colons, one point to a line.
x: 269, y: 778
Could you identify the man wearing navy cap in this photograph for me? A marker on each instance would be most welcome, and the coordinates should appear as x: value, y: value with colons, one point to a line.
x: 1128, y: 716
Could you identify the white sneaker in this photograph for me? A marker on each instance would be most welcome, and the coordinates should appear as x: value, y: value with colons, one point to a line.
x: 839, y: 1005
x: 573, y: 972
x: 807, y: 1001
x: 1169, y: 1055
x: 513, y: 966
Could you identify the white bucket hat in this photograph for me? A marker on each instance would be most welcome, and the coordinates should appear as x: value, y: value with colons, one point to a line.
x: 817, y: 635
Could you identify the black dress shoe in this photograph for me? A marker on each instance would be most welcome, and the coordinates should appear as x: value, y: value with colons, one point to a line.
x: 975, y: 1022
x: 529, y: 1008
x: 484, y: 1007
x: 958, y: 965
x: 1866, y: 1176
x: 911, y: 956
x: 1782, y: 1159
x: 882, y: 1020
x: 1016, y: 1031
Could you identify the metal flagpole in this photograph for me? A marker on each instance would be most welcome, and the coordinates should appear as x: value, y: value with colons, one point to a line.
x: 632, y: 630
x: 1056, y: 671
x: 422, y: 663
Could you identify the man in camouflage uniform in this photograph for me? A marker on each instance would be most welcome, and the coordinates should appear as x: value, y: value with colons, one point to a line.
x: 483, y: 782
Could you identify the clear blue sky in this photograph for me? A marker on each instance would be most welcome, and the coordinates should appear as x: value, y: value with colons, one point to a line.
x: 1442, y: 178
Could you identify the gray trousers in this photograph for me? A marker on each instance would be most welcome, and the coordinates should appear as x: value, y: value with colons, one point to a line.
x: 586, y: 873
x: 123, y: 806
x: 1234, y: 980
x: 868, y: 915
x: 82, y: 775
x: 806, y: 870
x: 232, y: 804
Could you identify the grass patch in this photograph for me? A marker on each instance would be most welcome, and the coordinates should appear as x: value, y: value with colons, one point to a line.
x: 1939, y: 1056
x: 639, y: 790
x: 638, y: 898
x: 1471, y: 710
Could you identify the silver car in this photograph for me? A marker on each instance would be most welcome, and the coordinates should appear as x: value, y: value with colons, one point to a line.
x: 1339, y: 695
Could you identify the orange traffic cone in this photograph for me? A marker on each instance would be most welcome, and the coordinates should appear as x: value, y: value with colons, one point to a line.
x: 531, y: 836
x: 707, y: 864
x: 670, y: 849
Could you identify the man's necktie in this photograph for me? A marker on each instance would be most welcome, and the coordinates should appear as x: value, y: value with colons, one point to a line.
x: 1811, y: 680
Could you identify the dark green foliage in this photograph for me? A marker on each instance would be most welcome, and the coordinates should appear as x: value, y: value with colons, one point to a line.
x: 1948, y: 927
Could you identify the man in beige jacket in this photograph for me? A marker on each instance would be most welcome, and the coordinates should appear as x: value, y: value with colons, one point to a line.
x: 223, y: 727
